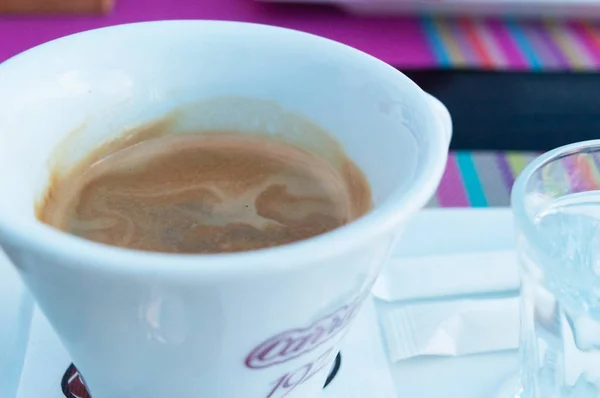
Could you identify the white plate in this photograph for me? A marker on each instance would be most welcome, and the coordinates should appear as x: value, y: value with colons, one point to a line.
x: 16, y: 307
x: 365, y: 370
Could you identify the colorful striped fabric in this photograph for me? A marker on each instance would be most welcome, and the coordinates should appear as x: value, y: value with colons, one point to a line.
x: 480, y: 179
x: 407, y: 43
x: 515, y: 45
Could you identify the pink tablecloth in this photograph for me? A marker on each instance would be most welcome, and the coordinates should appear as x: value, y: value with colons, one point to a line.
x: 397, y: 41
x: 407, y: 43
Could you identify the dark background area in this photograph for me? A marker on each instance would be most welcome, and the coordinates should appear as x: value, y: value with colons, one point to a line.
x: 516, y: 110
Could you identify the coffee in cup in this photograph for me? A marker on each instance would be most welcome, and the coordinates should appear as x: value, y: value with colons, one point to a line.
x: 203, y: 192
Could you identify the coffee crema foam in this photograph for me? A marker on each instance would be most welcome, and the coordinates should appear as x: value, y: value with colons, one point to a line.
x: 204, y: 193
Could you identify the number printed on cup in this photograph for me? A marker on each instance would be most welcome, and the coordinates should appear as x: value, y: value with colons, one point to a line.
x: 296, y: 343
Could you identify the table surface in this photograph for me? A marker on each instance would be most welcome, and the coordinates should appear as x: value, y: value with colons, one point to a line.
x: 480, y: 179
x: 393, y: 40
x: 403, y: 42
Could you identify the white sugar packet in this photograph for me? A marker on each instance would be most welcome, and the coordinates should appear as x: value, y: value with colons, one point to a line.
x: 454, y: 231
x: 364, y: 369
x: 450, y: 328
x: 449, y: 252
x: 418, y: 277
x: 468, y: 304
x: 451, y: 286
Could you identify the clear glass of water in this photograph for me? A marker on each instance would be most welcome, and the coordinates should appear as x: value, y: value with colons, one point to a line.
x: 556, y: 204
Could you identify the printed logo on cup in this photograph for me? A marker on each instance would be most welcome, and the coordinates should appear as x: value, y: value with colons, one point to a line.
x: 72, y: 384
x: 297, y: 342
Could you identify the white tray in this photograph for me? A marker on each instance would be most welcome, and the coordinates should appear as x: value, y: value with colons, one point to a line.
x: 32, y: 361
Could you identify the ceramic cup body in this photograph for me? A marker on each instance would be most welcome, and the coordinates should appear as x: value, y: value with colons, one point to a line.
x: 266, y: 323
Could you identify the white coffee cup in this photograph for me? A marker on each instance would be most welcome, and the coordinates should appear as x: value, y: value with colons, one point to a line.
x: 260, y: 324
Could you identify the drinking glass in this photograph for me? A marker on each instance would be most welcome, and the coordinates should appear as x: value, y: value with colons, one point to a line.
x: 556, y: 205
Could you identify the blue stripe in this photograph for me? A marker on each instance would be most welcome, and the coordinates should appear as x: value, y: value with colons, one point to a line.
x: 435, y: 40
x: 471, y: 179
x: 524, y: 44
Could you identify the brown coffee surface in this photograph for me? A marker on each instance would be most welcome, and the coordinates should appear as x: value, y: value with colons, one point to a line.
x: 204, y: 193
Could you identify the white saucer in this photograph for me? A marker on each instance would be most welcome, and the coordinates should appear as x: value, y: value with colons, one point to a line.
x: 32, y: 360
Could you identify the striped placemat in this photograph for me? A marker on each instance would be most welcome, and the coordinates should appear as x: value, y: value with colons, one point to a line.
x: 407, y: 43
x: 515, y: 45
x: 480, y: 179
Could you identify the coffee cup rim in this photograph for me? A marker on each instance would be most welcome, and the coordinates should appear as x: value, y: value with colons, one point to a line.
x: 102, y: 258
